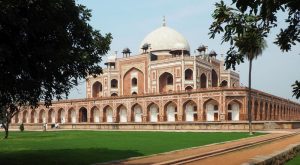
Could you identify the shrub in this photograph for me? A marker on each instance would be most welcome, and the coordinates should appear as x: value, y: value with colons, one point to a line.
x: 22, y: 127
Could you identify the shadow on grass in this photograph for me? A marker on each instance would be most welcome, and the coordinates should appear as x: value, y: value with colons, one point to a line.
x: 65, y: 156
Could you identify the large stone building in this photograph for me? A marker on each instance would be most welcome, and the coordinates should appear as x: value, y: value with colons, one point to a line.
x: 163, y: 83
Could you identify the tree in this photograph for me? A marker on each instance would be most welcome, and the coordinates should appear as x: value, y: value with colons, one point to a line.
x: 46, y: 47
x: 245, y: 36
x: 267, y: 12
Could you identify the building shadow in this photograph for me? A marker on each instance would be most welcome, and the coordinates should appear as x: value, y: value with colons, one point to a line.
x: 65, y: 156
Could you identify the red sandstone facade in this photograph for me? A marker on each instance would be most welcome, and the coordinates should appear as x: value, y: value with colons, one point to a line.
x: 164, y: 83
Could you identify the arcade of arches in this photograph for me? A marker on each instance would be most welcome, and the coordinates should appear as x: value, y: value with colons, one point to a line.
x: 195, y: 108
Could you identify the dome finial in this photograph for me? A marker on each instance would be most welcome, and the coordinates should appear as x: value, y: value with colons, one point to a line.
x: 164, y: 21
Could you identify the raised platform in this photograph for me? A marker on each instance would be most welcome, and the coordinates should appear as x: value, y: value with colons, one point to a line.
x: 242, y: 125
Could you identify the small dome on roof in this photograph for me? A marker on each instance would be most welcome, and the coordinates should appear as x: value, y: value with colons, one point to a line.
x: 126, y: 50
x: 212, y: 53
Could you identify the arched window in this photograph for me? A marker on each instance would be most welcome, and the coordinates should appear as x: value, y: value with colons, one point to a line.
x: 188, y: 88
x: 188, y: 74
x: 134, y: 82
x: 229, y: 107
x: 82, y: 114
x: 134, y: 93
x: 203, y: 81
x: 114, y: 83
x: 97, y: 87
x: 166, y: 82
x: 169, y: 80
x: 224, y: 83
x: 215, y: 107
x: 214, y: 78
x: 114, y: 94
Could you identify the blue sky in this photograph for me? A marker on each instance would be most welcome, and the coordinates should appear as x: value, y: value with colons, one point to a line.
x: 130, y: 21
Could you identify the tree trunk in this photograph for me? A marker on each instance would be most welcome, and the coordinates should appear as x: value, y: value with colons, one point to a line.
x: 249, y: 99
x: 6, y: 126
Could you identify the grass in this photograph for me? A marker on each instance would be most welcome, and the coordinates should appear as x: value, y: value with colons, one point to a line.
x: 87, y: 147
x: 294, y: 161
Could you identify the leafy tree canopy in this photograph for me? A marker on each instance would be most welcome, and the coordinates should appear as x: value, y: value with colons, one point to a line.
x: 46, y: 46
x: 261, y: 14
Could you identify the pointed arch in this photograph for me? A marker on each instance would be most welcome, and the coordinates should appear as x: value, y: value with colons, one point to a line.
x: 42, y: 116
x: 96, y: 89
x: 256, y: 113
x: 136, y: 113
x: 211, y: 109
x: 188, y: 88
x: 114, y: 83
x: 61, y: 116
x: 203, y: 81
x: 129, y: 81
x: 72, y: 115
x: 166, y: 82
x: 224, y: 83
x: 95, y: 115
x: 108, y: 114
x: 25, y: 117
x: 233, y: 110
x: 153, y: 112
x: 190, y: 111
x: 170, y: 111
x: 34, y: 116
x: 114, y: 94
x: 214, y: 78
x: 51, y: 116
x: 188, y: 74
x: 121, y: 113
x: 82, y: 115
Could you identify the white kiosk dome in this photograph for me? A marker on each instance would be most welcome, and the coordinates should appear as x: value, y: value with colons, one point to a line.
x: 164, y: 39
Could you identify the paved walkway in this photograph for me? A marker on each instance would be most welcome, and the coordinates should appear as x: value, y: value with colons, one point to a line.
x: 239, y: 157
x: 245, y: 155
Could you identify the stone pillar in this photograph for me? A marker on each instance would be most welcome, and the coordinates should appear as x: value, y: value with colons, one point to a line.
x: 252, y: 109
x: 114, y: 118
x: 144, y: 118
x: 101, y: 114
x: 179, y: 110
x: 89, y: 114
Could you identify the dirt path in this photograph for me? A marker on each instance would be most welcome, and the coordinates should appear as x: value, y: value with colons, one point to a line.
x: 243, y: 155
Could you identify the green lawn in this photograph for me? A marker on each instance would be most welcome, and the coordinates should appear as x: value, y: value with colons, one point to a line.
x: 294, y: 161
x: 87, y: 147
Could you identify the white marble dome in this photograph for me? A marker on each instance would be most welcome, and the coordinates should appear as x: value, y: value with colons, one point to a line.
x: 164, y: 39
